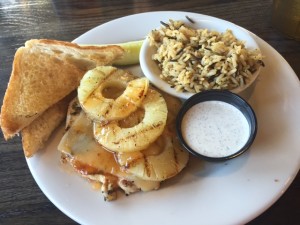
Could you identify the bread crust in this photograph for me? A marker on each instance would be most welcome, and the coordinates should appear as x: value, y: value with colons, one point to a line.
x: 43, y: 73
x: 36, y: 134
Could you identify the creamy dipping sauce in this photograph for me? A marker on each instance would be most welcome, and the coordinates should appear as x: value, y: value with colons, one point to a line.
x: 215, y: 129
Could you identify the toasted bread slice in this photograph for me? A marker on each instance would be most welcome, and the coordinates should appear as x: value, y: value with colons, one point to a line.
x: 36, y: 134
x: 44, y: 72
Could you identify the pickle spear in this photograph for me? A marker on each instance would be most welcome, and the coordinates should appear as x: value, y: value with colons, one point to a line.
x: 132, y: 51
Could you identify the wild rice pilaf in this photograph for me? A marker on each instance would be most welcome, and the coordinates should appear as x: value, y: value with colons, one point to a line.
x: 195, y: 60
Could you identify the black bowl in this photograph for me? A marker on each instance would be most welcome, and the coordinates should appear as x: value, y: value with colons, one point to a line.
x: 223, y: 96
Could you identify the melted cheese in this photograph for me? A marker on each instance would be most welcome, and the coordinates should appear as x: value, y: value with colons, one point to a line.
x: 78, y: 142
x: 96, y: 163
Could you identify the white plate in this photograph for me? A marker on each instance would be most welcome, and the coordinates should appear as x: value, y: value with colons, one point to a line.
x: 233, y: 192
x: 152, y: 71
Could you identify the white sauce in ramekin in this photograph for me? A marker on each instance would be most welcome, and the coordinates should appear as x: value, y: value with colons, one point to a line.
x: 215, y: 129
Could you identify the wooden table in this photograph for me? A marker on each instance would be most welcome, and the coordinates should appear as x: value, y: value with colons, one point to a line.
x: 21, y: 200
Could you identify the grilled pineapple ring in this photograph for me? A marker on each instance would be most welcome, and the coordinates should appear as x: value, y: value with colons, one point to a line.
x: 160, y: 161
x: 100, y: 108
x: 164, y: 158
x: 140, y: 136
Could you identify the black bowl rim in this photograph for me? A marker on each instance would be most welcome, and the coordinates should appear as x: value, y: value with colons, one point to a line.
x: 224, y: 96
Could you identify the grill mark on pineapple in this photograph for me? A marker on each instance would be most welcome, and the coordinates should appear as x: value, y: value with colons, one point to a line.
x: 138, y: 133
x: 108, y: 110
x: 141, y: 94
x: 147, y: 166
x: 175, y: 155
x: 92, y: 94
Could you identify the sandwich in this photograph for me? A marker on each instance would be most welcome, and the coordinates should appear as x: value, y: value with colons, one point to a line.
x: 133, y: 151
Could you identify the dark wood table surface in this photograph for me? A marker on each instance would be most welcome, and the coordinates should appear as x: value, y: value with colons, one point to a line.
x: 21, y: 200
